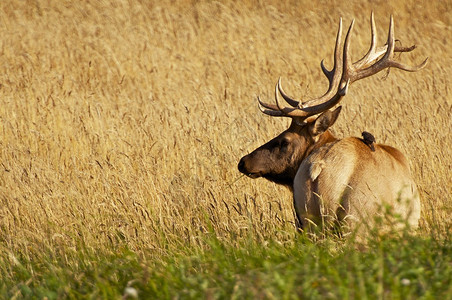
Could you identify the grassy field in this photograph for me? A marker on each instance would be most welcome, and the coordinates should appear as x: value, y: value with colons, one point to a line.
x: 122, y: 123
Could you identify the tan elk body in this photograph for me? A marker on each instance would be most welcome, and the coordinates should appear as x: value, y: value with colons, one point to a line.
x: 332, y: 187
x: 342, y: 181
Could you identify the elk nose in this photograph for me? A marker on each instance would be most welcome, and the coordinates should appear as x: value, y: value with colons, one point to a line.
x: 241, y: 166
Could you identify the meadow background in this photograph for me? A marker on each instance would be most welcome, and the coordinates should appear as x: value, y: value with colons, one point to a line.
x: 122, y: 123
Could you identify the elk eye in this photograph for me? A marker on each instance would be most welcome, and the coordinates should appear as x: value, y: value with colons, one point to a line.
x: 284, y: 143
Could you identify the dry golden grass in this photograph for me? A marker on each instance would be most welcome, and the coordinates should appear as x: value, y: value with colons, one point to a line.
x: 123, y: 121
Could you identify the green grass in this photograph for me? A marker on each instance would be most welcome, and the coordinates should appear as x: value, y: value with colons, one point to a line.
x: 388, y: 267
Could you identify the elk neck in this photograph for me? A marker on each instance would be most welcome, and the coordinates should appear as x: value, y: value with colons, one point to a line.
x: 323, y: 139
x: 286, y: 178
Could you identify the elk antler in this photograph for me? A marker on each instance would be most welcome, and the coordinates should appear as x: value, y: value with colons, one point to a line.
x: 344, y: 73
x: 371, y: 63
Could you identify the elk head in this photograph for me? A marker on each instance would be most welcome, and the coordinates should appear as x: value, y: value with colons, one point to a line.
x: 278, y: 160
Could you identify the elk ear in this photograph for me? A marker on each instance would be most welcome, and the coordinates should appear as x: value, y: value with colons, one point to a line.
x: 324, y: 121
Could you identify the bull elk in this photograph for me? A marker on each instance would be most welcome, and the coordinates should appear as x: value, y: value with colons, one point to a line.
x: 345, y: 180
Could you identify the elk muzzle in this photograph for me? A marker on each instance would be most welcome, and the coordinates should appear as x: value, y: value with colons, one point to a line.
x: 245, y: 166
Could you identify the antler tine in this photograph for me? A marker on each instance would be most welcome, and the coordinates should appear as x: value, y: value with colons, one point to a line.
x: 277, y: 110
x: 271, y: 109
x: 266, y: 105
x: 286, y: 111
x: 318, y: 105
x: 379, y: 59
x: 391, y: 49
x: 278, y: 106
x: 376, y: 53
x: 373, y: 32
x: 391, y: 43
x: 373, y: 44
x: 268, y: 109
x: 306, y: 112
x: 292, y: 102
x: 348, y: 65
x: 321, y: 107
x: 334, y: 76
x: 337, y: 54
x: 338, y: 83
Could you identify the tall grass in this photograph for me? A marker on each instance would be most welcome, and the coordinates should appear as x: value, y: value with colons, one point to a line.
x: 392, y: 267
x: 121, y: 123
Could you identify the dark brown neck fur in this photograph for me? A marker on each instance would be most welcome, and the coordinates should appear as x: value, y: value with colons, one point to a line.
x: 325, y: 138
